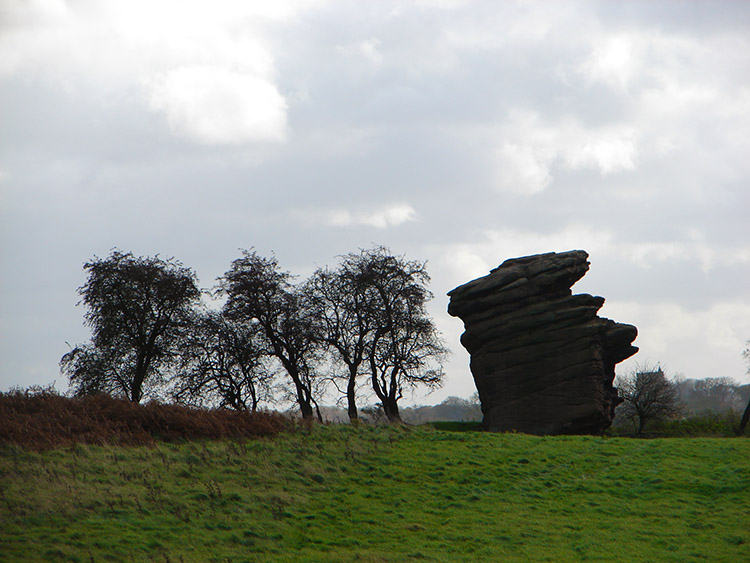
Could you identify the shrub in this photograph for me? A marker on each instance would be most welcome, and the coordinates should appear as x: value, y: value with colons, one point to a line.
x: 42, y: 419
x: 705, y: 424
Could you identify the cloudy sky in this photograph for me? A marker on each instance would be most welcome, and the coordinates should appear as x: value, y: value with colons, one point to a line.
x: 462, y: 133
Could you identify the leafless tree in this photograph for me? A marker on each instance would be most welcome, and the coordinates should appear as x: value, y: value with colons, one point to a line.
x: 136, y: 307
x: 259, y: 292
x: 222, y: 362
x: 746, y: 414
x: 347, y: 313
x: 647, y: 395
x: 371, y: 315
x: 405, y: 348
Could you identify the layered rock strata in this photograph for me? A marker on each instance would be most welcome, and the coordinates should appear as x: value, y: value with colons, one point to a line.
x: 542, y: 360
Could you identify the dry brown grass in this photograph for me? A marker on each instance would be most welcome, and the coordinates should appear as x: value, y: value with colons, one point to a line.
x: 43, y: 419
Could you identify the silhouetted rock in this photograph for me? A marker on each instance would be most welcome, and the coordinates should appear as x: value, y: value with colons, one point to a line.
x: 543, y: 361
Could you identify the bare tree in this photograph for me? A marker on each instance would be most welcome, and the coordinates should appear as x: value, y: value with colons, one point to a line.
x: 746, y: 414
x: 222, y: 361
x: 344, y: 310
x: 372, y: 317
x: 259, y: 292
x: 405, y: 349
x: 136, y: 308
x: 647, y: 395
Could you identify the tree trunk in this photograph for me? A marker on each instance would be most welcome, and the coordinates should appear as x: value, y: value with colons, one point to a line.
x: 306, y: 409
x: 253, y: 399
x: 387, y: 396
x: 744, y: 421
x: 306, y: 401
x: 317, y: 410
x: 390, y: 409
x: 136, y: 385
x: 303, y: 397
x: 351, y: 405
x: 143, y: 365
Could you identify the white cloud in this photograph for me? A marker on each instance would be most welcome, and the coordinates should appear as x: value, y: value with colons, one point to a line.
x: 530, y: 147
x: 609, y: 152
x: 614, y: 60
x: 632, y: 125
x: 467, y: 261
x: 676, y: 94
x: 336, y: 141
x: 208, y: 69
x: 218, y: 106
x: 692, y: 248
x: 667, y: 330
x: 524, y: 168
x: 390, y: 216
x: 477, y: 258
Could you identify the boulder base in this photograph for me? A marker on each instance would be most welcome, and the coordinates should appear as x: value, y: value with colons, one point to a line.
x: 542, y: 360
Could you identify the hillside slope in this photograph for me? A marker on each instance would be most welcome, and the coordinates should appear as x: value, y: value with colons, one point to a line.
x: 341, y: 493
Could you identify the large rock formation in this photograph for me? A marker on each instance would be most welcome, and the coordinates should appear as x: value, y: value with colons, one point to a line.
x: 542, y: 360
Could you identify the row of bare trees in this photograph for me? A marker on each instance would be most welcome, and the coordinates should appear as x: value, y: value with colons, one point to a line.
x: 360, y: 325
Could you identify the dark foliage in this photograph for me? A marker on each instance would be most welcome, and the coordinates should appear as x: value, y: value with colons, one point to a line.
x: 42, y: 419
x: 707, y: 424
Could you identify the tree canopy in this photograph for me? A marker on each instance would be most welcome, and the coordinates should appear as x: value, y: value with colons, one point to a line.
x: 405, y: 349
x: 136, y: 307
x: 259, y: 292
x: 371, y: 315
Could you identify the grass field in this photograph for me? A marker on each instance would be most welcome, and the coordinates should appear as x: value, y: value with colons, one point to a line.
x: 341, y: 493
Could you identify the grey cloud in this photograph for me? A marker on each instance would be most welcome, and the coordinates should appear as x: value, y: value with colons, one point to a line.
x: 404, y: 105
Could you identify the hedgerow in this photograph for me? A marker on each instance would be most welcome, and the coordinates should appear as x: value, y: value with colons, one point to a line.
x: 41, y: 419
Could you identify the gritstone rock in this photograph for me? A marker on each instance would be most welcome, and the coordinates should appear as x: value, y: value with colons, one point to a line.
x: 543, y: 361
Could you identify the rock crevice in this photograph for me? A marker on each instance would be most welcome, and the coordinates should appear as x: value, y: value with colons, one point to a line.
x: 542, y: 360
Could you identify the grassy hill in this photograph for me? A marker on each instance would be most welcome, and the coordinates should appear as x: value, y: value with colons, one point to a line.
x: 341, y: 493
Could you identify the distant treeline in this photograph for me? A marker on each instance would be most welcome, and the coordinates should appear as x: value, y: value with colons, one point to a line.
x: 656, y: 406
x: 452, y: 409
x: 714, y: 394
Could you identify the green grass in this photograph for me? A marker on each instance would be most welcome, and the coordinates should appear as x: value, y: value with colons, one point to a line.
x: 341, y: 493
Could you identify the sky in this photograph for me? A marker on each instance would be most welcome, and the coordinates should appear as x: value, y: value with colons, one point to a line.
x: 462, y: 133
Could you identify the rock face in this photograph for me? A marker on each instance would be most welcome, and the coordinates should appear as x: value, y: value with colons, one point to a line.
x: 543, y: 361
